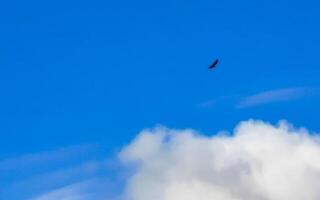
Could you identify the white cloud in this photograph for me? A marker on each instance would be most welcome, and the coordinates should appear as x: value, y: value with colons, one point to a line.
x: 92, y: 189
x: 56, y: 178
x: 35, y: 173
x: 77, y: 191
x: 44, y: 158
x: 285, y: 94
x: 257, y: 162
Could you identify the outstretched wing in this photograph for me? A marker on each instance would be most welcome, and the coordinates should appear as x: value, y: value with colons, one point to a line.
x: 214, y: 64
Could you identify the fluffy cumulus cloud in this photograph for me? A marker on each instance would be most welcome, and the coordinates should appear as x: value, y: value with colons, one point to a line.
x: 258, y: 161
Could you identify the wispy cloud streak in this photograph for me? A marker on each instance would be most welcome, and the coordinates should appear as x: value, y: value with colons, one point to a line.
x: 44, y: 158
x: 285, y: 94
x: 41, y: 172
x: 76, y: 191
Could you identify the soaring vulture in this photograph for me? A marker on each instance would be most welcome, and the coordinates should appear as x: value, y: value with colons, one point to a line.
x: 214, y: 64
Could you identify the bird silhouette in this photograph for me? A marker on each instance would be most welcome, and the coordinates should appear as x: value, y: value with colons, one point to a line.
x: 214, y: 64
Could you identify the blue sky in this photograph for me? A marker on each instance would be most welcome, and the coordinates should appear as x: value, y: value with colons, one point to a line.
x: 97, y: 72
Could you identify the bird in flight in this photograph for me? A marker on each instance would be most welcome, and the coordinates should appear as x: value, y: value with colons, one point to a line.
x: 214, y: 64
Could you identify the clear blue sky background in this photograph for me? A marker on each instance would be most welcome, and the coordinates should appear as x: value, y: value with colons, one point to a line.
x: 83, y: 72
